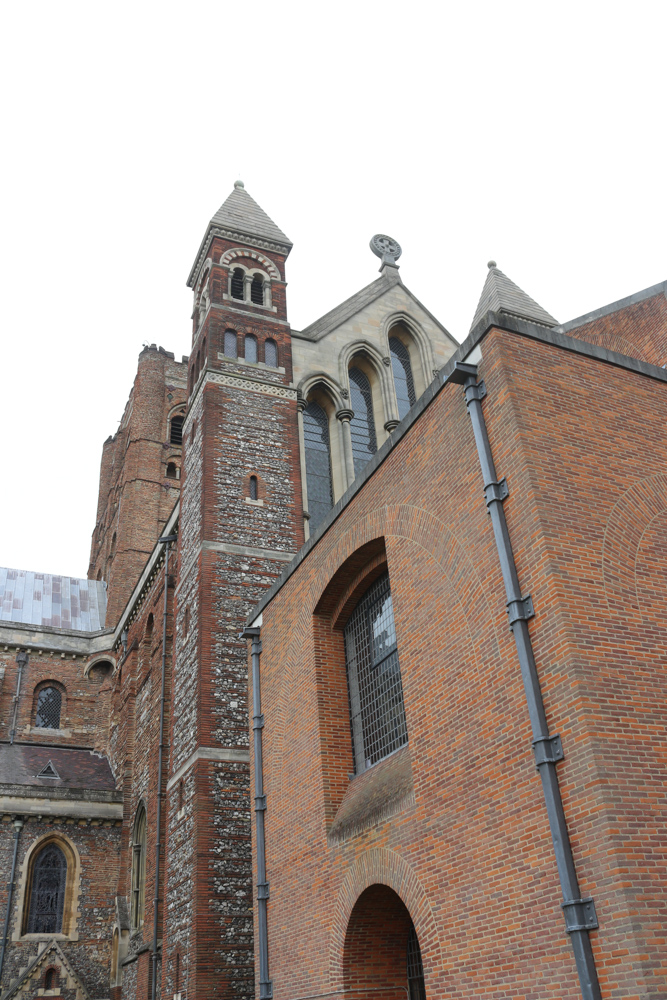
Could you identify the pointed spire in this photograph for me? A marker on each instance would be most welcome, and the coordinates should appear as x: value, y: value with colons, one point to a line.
x: 241, y: 213
x: 501, y: 295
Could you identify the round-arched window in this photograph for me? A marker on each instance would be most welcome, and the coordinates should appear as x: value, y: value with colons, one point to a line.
x: 49, y: 703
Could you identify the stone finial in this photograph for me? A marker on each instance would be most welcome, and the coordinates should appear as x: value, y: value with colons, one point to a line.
x: 239, y: 184
x: 491, y: 265
x: 387, y: 249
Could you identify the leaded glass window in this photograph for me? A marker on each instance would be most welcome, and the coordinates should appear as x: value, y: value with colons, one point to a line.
x: 377, y: 714
x: 318, y: 463
x: 251, y: 348
x: 362, y: 425
x: 403, y: 381
x: 138, y: 868
x: 271, y: 354
x: 231, y: 348
x: 47, y: 895
x: 415, y: 968
x: 49, y: 703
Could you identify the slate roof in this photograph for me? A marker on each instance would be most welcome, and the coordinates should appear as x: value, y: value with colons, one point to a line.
x: 21, y: 764
x: 501, y: 295
x: 242, y: 213
x: 50, y: 600
x: 342, y: 312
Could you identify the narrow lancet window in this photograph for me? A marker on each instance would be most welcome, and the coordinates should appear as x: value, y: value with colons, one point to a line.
x: 238, y: 279
x: 257, y: 290
x: 251, y: 348
x: 377, y: 715
x: 231, y: 348
x: 403, y: 380
x: 253, y: 488
x: 47, y: 895
x: 176, y: 430
x: 318, y: 463
x: 271, y: 354
x: 362, y: 425
x: 138, y: 868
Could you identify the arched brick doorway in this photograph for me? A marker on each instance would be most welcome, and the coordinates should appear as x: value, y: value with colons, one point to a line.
x: 381, y: 950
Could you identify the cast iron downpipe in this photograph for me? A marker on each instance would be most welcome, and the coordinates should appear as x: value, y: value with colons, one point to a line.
x: 579, y: 913
x: 18, y: 824
x: 265, y: 984
x: 22, y: 661
x: 167, y: 540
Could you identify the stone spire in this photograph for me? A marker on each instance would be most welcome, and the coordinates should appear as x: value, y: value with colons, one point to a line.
x: 242, y: 214
x: 500, y: 295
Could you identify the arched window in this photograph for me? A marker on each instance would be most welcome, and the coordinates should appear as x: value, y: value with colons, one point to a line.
x: 250, y: 348
x: 362, y: 425
x: 49, y: 703
x: 230, y: 346
x: 176, y: 429
x: 403, y: 381
x: 50, y: 979
x: 415, y: 968
x: 271, y: 354
x: 377, y: 714
x: 171, y: 470
x: 238, y: 276
x: 253, y: 487
x: 257, y: 290
x: 138, y: 868
x: 318, y: 463
x: 47, y: 891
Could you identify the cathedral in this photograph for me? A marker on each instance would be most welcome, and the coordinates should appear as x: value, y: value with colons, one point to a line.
x: 364, y: 693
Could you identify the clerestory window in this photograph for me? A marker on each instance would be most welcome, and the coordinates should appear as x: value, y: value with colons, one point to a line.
x: 377, y: 713
x: 362, y: 425
x: 403, y: 380
x: 318, y: 463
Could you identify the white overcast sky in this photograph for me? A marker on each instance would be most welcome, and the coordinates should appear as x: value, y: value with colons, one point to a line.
x: 532, y: 133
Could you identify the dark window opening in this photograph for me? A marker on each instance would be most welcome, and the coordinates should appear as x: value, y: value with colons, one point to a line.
x: 251, y: 348
x: 49, y: 702
x: 362, y: 425
x: 238, y: 277
x: 171, y: 470
x: 50, y: 979
x: 230, y: 344
x: 403, y: 380
x: 177, y: 974
x: 47, y: 895
x: 271, y: 354
x: 318, y: 463
x: 176, y: 430
x: 253, y: 487
x: 257, y: 290
x: 415, y: 968
x: 377, y: 713
x: 138, y: 868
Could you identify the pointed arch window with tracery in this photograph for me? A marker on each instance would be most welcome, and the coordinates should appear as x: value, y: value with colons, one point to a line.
x: 47, y: 893
x: 362, y: 424
x: 318, y: 463
x: 403, y: 378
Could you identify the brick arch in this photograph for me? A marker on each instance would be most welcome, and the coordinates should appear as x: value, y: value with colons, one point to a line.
x: 419, y: 527
x: 384, y: 867
x: 615, y: 342
x: 245, y: 252
x: 631, y: 517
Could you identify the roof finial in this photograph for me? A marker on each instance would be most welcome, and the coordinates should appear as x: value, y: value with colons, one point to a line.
x: 387, y: 249
x: 491, y: 264
x: 239, y: 184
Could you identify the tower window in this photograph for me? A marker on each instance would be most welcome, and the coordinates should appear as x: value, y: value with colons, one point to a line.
x: 230, y: 345
x: 176, y: 430
x: 251, y: 348
x: 318, y: 463
x: 49, y: 702
x: 171, y: 470
x: 403, y: 380
x: 377, y: 714
x: 253, y: 487
x: 47, y: 893
x: 238, y: 276
x: 138, y: 867
x: 257, y: 290
x: 271, y: 354
x: 362, y: 425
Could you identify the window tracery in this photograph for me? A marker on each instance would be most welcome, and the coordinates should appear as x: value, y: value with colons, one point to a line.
x: 403, y: 378
x: 362, y: 424
x: 138, y: 868
x: 47, y: 891
x: 318, y: 462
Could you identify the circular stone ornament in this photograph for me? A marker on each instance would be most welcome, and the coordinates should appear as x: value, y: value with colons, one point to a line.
x: 385, y: 247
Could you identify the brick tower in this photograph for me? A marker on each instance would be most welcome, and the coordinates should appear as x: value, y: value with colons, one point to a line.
x: 240, y: 524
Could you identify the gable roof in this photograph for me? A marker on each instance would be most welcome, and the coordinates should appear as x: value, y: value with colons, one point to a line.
x: 51, y: 952
x: 501, y: 295
x: 52, y: 600
x: 350, y: 307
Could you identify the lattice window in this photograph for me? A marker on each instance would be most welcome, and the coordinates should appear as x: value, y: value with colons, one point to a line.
x: 403, y: 380
x: 238, y: 278
x: 377, y: 714
x: 49, y: 703
x: 257, y: 290
x: 47, y: 896
x: 251, y: 348
x: 138, y: 868
x: 415, y: 968
x: 318, y: 463
x: 231, y: 348
x: 176, y: 430
x: 253, y: 488
x: 271, y: 354
x: 362, y: 425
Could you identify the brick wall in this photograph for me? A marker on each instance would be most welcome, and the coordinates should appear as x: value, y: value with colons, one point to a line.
x: 456, y: 825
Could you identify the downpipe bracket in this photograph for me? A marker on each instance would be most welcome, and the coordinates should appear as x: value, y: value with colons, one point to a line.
x: 263, y: 891
x: 496, y: 492
x: 477, y: 391
x: 580, y: 915
x: 520, y: 610
x: 266, y: 990
x: 548, y: 750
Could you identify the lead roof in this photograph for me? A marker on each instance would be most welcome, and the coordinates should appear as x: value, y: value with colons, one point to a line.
x: 51, y: 600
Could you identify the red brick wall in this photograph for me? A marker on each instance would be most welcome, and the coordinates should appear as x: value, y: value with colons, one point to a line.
x: 639, y: 330
x: 466, y: 844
